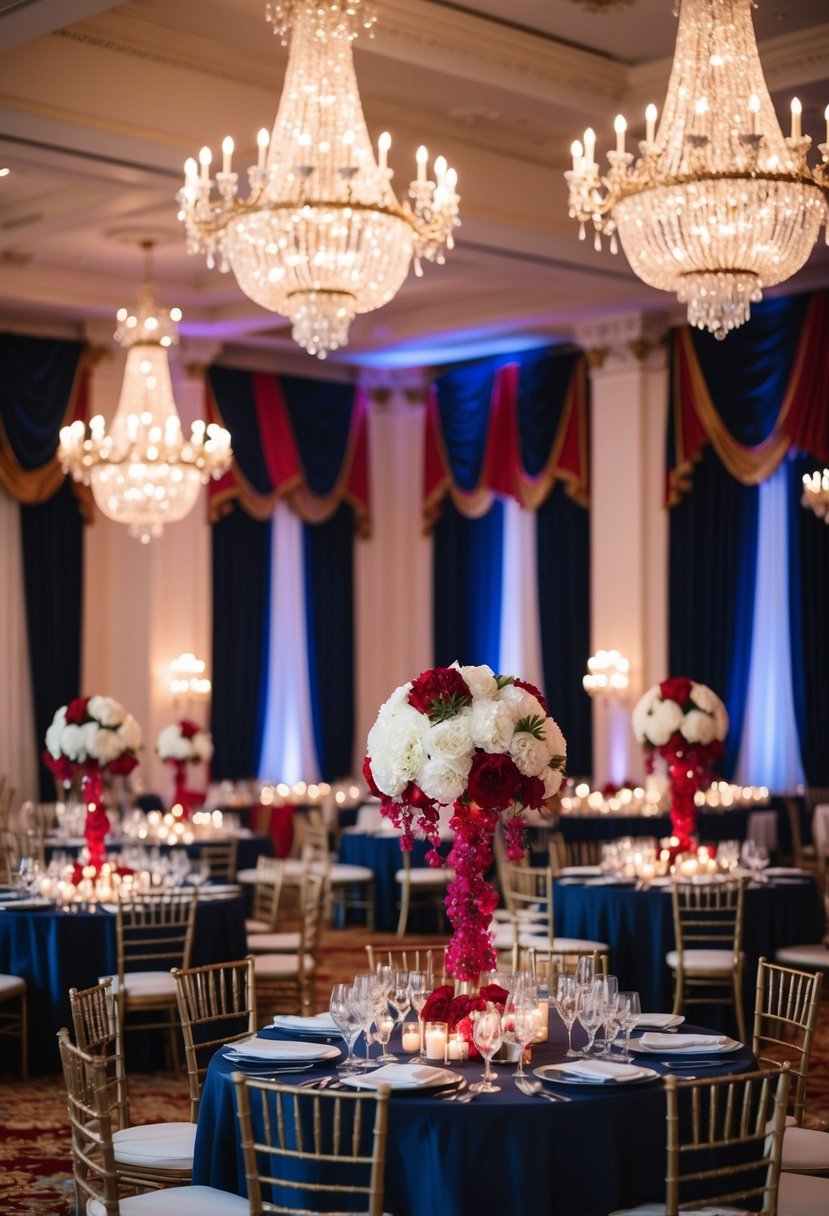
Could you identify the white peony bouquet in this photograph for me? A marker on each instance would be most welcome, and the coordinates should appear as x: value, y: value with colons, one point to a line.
x: 680, y: 707
x: 184, y: 743
x: 92, y: 733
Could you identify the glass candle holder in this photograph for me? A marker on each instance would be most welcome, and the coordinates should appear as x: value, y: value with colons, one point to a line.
x: 410, y: 1036
x: 435, y: 1037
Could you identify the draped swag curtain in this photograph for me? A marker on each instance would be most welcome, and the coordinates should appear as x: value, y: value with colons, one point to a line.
x: 737, y: 409
x: 43, y: 386
x: 304, y: 442
x: 513, y: 428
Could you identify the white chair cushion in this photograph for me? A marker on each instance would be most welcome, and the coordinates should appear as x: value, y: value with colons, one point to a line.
x: 11, y: 985
x: 702, y: 960
x: 146, y: 983
x: 178, y: 1201
x: 805, y: 1148
x: 257, y: 926
x: 274, y: 942
x: 658, y: 1209
x: 802, y: 1195
x: 277, y: 965
x: 426, y: 876
x: 167, y: 1146
x: 804, y: 956
x: 341, y: 872
x: 249, y: 877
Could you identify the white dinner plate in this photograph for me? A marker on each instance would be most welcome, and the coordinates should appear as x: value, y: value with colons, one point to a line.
x: 403, y: 1076
x: 320, y: 1023
x: 280, y: 1050
x: 715, y: 1049
x: 560, y: 1076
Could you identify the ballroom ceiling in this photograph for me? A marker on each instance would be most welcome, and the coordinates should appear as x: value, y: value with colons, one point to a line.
x: 100, y: 105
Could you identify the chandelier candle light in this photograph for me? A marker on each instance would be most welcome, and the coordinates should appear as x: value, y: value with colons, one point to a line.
x: 485, y: 745
x: 816, y: 493
x: 719, y: 204
x: 145, y: 473
x: 320, y: 236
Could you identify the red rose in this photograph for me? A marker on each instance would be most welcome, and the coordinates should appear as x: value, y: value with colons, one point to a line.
x: 63, y: 769
x: 494, y: 993
x: 368, y: 777
x: 76, y: 711
x: 437, y: 1005
x: 493, y: 781
x: 440, y: 693
x: 531, y: 793
x: 533, y: 691
x: 188, y: 729
x: 678, y: 689
x: 122, y: 765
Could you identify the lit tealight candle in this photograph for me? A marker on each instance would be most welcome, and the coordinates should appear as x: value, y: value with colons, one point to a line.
x: 458, y: 1048
x: 410, y: 1036
x: 435, y: 1039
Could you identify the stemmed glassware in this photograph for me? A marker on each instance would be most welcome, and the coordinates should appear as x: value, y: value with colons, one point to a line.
x: 608, y: 988
x: 399, y: 995
x: 590, y: 1014
x: 418, y: 992
x: 363, y: 998
x: 385, y: 1025
x: 630, y: 1010
x: 585, y: 970
x: 486, y: 1035
x: 567, y: 1003
x: 755, y: 856
x: 346, y: 1022
x: 526, y: 1020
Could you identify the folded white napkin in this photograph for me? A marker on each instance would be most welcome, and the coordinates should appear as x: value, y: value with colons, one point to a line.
x: 602, y: 1070
x: 400, y: 1076
x: 319, y: 1023
x: 678, y: 1042
x: 660, y: 1021
x: 277, y: 1049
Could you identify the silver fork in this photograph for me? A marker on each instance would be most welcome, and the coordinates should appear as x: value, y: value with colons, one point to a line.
x: 454, y: 1094
x: 534, y: 1089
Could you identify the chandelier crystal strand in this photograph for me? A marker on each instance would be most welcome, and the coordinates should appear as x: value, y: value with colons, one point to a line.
x: 719, y: 203
x: 321, y: 236
x: 145, y: 473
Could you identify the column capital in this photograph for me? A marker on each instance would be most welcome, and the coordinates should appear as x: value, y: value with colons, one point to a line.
x: 628, y: 339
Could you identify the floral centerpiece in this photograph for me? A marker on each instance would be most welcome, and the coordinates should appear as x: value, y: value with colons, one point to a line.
x: 485, y: 745
x: 456, y: 1010
x: 93, y: 737
x: 179, y: 744
x: 685, y: 723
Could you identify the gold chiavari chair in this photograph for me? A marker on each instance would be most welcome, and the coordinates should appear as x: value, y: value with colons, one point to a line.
x: 315, y: 1147
x: 528, y: 898
x: 220, y: 858
x: 146, y: 1155
x: 786, y: 1012
x: 98, y: 1183
x: 565, y: 853
x: 430, y: 958
x: 267, y: 889
x: 14, y: 1023
x: 548, y: 965
x: 15, y: 846
x: 154, y: 933
x: 724, y: 1140
x: 427, y: 883
x: 216, y: 1005
x: 347, y: 886
x: 707, y: 963
x: 285, y: 981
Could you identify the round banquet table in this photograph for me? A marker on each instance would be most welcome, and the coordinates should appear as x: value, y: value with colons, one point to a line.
x: 56, y: 949
x: 249, y: 848
x: 380, y: 851
x: 638, y: 927
x: 503, y: 1154
x: 712, y: 825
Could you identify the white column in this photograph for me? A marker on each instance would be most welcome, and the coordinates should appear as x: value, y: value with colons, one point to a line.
x: 628, y: 523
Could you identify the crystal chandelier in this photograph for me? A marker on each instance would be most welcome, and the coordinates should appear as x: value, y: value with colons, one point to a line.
x: 144, y: 473
x: 719, y: 204
x: 320, y: 236
x: 816, y: 493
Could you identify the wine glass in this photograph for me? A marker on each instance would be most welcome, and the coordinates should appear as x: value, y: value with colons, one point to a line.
x: 363, y: 999
x: 27, y: 872
x: 399, y: 995
x: 418, y: 992
x: 486, y: 1035
x: 199, y: 874
x: 608, y: 987
x: 630, y: 1012
x: 526, y: 1020
x: 567, y: 1002
x: 385, y: 1025
x: 346, y: 1022
x: 590, y: 1014
x: 585, y: 970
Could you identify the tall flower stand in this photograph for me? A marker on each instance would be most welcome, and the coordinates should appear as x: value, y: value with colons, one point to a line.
x: 97, y: 823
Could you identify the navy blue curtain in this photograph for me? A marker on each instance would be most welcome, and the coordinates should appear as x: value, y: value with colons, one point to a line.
x: 37, y: 377
x: 809, y: 624
x: 241, y: 595
x: 467, y: 591
x: 712, y: 565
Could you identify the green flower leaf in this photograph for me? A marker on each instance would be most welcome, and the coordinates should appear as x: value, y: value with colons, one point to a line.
x: 533, y: 725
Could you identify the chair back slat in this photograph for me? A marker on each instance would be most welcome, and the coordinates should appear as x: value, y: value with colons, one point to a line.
x: 786, y: 1011
x: 97, y: 1024
x: 93, y: 1156
x: 267, y: 890
x: 220, y: 858
x: 430, y: 958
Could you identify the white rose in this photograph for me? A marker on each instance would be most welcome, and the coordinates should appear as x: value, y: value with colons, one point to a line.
x: 107, y: 746
x: 90, y: 735
x: 441, y: 780
x: 554, y: 739
x: 491, y: 725
x: 72, y: 742
x: 106, y: 711
x: 395, y: 745
x: 641, y: 714
x: 53, y: 734
x: 704, y: 698
x: 522, y: 704
x: 203, y: 745
x: 450, y: 740
x: 664, y: 720
x: 130, y: 734
x: 720, y: 721
x: 552, y: 778
x: 481, y: 680
x: 530, y: 754
x: 166, y: 742
x: 698, y: 727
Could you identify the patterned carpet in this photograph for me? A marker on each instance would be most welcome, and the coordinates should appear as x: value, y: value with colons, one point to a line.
x: 35, y: 1166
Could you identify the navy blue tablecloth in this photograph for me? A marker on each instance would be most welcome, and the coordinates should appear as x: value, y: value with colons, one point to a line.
x: 638, y: 927
x: 58, y: 950
x: 712, y: 826
x: 381, y: 853
x: 249, y: 849
x: 503, y: 1154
